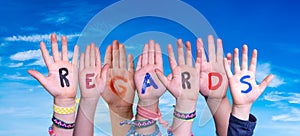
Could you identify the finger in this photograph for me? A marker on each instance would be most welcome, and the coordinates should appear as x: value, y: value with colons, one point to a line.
x: 47, y: 59
x: 227, y: 68
x: 180, y: 52
x: 54, y: 46
x: 151, y: 52
x: 200, y: 46
x: 189, y: 57
x: 39, y: 77
x: 229, y: 58
x: 130, y: 64
x: 98, y: 62
x: 115, y: 53
x: 87, y: 56
x: 104, y: 72
x: 162, y: 78
x: 211, y: 49
x: 253, y: 61
x: 64, y: 48
x: 122, y: 56
x: 81, y: 65
x: 171, y: 57
x: 236, y: 60
x: 145, y: 55
x: 220, y: 51
x: 107, y: 57
x: 139, y: 63
x: 245, y: 58
x: 198, y: 60
x: 158, y: 56
x: 75, y: 56
x: 92, y: 55
x: 265, y: 83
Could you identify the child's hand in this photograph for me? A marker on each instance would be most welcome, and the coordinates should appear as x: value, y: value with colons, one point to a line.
x: 213, y: 83
x: 149, y: 87
x: 119, y: 90
x: 243, y: 87
x: 92, y: 77
x: 62, y: 80
x: 183, y: 83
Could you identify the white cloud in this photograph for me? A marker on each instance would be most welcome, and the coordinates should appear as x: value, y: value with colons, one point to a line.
x: 26, y: 55
x: 16, y: 76
x: 15, y: 65
x: 31, y: 55
x: 293, y: 116
x: 264, y: 70
x: 292, y: 98
x: 38, y: 37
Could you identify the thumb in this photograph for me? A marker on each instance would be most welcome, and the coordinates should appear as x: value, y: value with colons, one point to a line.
x: 162, y: 78
x: 39, y: 77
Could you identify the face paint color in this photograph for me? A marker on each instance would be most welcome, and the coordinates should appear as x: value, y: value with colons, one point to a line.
x: 88, y: 80
x: 185, y: 76
x: 63, y: 77
x: 210, y: 84
x: 244, y: 82
x: 122, y: 89
x: 148, y: 81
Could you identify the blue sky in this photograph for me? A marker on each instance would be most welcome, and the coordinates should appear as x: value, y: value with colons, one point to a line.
x: 272, y: 27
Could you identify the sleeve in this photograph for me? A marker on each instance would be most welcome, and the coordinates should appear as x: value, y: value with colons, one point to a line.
x: 239, y: 127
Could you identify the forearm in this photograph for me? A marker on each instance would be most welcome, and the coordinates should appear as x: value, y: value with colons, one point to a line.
x: 151, y: 107
x: 85, y: 117
x: 70, y: 118
x: 220, y: 109
x: 117, y: 115
x: 179, y: 126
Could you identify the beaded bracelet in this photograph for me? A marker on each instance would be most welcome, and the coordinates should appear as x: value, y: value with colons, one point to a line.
x: 185, y: 116
x: 61, y: 124
x: 50, y: 131
x: 132, y: 132
x: 139, y: 123
x: 64, y: 110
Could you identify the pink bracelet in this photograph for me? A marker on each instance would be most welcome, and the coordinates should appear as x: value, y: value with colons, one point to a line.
x: 151, y: 115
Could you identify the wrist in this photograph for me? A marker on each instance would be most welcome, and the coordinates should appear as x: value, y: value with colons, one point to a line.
x: 185, y: 106
x: 122, y: 111
x: 65, y: 102
x: 149, y: 104
x: 241, y: 112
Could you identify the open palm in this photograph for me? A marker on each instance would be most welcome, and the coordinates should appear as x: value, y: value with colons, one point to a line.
x: 150, y: 60
x: 53, y: 83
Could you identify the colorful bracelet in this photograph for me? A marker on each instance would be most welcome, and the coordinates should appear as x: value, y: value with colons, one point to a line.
x: 139, y: 123
x: 61, y: 124
x: 132, y: 132
x: 64, y: 110
x: 50, y: 131
x: 185, y: 116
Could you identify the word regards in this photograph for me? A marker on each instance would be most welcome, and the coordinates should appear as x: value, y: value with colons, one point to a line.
x: 63, y: 72
x: 210, y: 83
x: 242, y: 80
x: 88, y: 80
x: 185, y: 76
x: 148, y: 81
x: 121, y: 89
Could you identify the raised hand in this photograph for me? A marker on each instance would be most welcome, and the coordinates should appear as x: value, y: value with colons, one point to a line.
x: 119, y: 90
x: 213, y: 80
x: 92, y: 77
x: 183, y: 83
x: 92, y: 83
x: 62, y: 79
x: 149, y: 87
x: 243, y: 87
